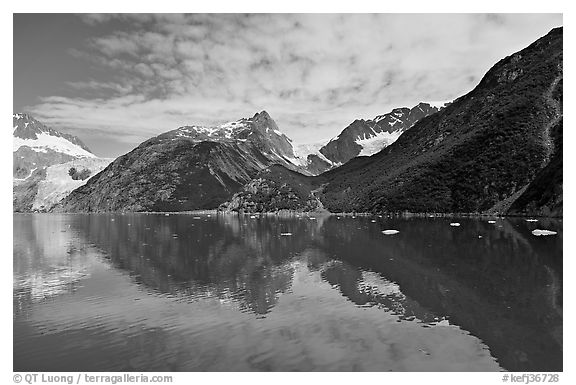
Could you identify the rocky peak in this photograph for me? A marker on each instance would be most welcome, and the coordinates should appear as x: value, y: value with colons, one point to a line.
x: 20, y: 116
x: 262, y: 115
x: 367, y: 137
x: 26, y: 127
x: 262, y: 121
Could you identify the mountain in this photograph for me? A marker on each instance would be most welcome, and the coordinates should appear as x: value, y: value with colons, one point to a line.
x: 260, y: 130
x: 38, y: 153
x: 163, y: 173
x: 497, y: 149
x: 223, y: 157
x: 367, y: 137
x: 192, y: 167
x: 36, y: 145
x: 485, y: 149
x: 362, y: 138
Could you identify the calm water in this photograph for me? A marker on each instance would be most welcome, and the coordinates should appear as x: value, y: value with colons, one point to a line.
x: 152, y: 292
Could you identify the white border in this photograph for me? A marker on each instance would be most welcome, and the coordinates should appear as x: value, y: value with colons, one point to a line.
x: 301, y: 6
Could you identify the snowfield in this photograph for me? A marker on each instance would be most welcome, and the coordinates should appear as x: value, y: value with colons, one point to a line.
x: 301, y: 151
x: 374, y: 144
x: 56, y: 143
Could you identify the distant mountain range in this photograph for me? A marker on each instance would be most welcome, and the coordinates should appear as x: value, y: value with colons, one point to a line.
x: 497, y: 149
x: 42, y: 158
x: 200, y: 167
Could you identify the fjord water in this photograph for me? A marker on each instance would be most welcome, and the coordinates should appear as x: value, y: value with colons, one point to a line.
x: 150, y: 292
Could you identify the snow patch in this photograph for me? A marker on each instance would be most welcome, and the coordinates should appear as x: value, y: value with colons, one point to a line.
x: 45, y: 141
x: 438, y: 103
x: 371, y: 146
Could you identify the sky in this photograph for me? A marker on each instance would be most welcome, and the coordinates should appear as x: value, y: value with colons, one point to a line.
x: 117, y: 80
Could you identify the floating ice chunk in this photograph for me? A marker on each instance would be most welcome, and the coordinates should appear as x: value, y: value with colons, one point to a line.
x: 455, y: 224
x: 539, y: 232
x: 444, y: 322
x: 285, y: 234
x: 373, y: 221
x: 390, y: 232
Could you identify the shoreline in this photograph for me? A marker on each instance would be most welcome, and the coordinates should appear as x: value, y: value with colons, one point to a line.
x: 288, y: 213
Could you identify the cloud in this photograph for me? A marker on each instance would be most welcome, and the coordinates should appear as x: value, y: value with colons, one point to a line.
x: 93, y: 85
x: 314, y: 73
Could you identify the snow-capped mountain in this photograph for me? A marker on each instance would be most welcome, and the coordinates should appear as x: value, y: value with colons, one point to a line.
x: 29, y: 132
x: 261, y: 130
x: 367, y: 137
x: 362, y: 137
x: 199, y: 167
x: 42, y: 159
x: 36, y: 146
x: 188, y: 168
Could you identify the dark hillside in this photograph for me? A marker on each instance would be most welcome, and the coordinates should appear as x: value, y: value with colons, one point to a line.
x: 276, y: 188
x: 478, y: 151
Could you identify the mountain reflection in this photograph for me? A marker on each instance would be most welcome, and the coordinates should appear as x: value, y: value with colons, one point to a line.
x: 48, y: 259
x: 232, y: 258
x: 496, y: 281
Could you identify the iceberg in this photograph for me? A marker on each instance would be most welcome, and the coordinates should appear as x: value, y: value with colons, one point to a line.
x: 539, y: 232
